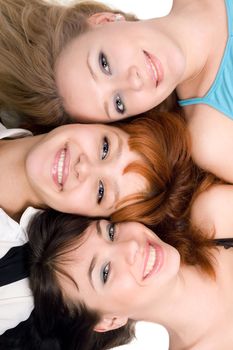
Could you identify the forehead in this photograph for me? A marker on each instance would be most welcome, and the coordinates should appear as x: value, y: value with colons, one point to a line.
x: 75, y: 259
x: 86, y: 238
x: 92, y: 128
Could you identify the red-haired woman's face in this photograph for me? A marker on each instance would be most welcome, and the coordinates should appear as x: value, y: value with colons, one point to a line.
x: 80, y: 169
x: 117, y: 70
x: 121, y: 270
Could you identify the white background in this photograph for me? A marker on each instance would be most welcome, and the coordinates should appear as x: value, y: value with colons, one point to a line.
x: 149, y: 336
x: 142, y: 8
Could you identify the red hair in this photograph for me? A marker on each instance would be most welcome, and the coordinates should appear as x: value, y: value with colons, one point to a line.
x: 163, y: 141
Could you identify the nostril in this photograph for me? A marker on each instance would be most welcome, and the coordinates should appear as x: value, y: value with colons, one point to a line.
x: 135, y: 78
x: 76, y: 167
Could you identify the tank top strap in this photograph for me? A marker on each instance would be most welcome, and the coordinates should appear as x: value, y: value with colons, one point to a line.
x: 224, y: 242
x: 219, y: 96
x: 229, y: 8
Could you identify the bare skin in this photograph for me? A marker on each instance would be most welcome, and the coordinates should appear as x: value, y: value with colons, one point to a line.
x: 202, y: 319
x: 197, y: 310
x: 190, y: 49
x: 70, y: 169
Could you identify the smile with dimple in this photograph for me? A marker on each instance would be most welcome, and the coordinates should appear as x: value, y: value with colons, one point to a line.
x: 153, y: 260
x: 154, y: 67
x: 60, y: 167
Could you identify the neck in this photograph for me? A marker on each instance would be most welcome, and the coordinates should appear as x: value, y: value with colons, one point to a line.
x: 189, y: 25
x: 16, y: 192
x: 187, y: 312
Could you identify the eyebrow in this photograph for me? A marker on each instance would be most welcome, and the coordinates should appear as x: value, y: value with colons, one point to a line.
x: 106, y: 107
x: 93, y: 261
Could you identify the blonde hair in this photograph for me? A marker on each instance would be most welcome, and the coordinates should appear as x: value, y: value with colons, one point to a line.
x: 163, y: 141
x: 32, y: 35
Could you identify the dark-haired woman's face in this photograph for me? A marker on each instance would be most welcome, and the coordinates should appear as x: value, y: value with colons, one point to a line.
x: 121, y: 269
x: 80, y: 169
x: 117, y: 70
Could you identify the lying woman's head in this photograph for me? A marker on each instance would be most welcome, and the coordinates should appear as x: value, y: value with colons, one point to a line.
x: 54, y: 237
x: 96, y: 169
x: 114, y: 62
x: 98, y: 276
x: 59, y: 62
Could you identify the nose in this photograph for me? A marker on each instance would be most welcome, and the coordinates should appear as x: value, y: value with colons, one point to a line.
x: 128, y: 250
x: 82, y: 168
x: 134, y: 78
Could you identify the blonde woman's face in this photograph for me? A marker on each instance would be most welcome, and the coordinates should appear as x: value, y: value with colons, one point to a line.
x: 79, y: 169
x: 116, y: 70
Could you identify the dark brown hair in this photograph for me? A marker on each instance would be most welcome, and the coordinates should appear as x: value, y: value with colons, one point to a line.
x: 51, y: 235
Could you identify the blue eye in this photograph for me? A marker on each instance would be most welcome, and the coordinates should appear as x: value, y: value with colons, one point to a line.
x: 119, y: 105
x: 100, y: 193
x: 105, y: 148
x: 111, y: 231
x: 104, y: 63
x: 105, y: 273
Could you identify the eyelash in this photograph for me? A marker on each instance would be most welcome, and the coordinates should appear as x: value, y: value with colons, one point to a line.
x: 105, y: 148
x: 111, y: 231
x: 105, y: 273
x: 104, y: 65
x: 119, y: 105
x: 103, y: 61
x: 111, y: 234
x: 105, y: 151
x: 100, y: 194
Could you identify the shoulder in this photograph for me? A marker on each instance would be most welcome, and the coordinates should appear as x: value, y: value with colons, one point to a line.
x: 212, y: 141
x: 212, y: 211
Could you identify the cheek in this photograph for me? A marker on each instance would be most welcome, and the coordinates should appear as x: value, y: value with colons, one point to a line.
x: 122, y: 292
x: 79, y: 199
x: 36, y: 164
x: 162, y: 283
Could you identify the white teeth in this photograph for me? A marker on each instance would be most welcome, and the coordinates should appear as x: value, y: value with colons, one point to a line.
x: 151, y: 261
x: 154, y: 70
x: 60, y: 167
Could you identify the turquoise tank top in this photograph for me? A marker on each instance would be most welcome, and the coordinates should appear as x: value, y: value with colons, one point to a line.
x: 220, y: 94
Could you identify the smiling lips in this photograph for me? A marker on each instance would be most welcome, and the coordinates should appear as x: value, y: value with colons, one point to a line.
x: 154, y: 67
x: 60, y: 167
x: 153, y: 260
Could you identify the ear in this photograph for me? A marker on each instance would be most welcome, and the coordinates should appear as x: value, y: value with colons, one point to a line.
x: 110, y: 323
x: 105, y: 17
